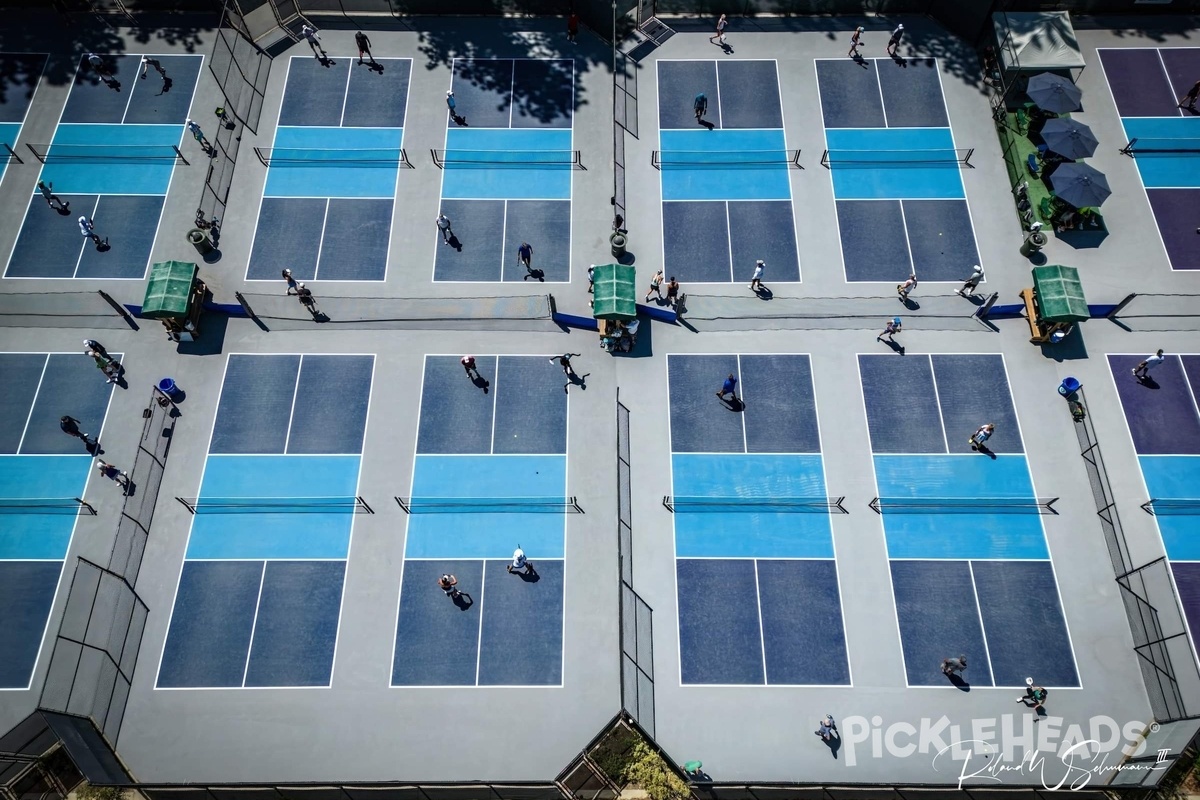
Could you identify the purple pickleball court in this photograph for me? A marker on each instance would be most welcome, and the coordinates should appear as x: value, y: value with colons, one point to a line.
x: 1139, y: 82
x: 1178, y: 224
x: 1160, y: 411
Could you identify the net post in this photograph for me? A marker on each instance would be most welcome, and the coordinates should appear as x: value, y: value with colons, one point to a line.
x: 1049, y: 505
x: 85, y: 504
x: 667, y: 504
x: 578, y: 160
x: 403, y: 506
x: 364, y: 505
x: 574, y: 503
x: 179, y: 153
x: 656, y: 160
x: 404, y: 159
x: 12, y: 153
x: 874, y: 506
x: 1148, y: 506
x: 266, y: 162
x: 1128, y: 149
x: 967, y: 158
x: 437, y: 162
x: 837, y: 504
x: 795, y: 160
x: 825, y: 159
x: 36, y: 154
x: 191, y: 508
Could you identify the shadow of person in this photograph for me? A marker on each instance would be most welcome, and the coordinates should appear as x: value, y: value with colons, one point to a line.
x: 480, y: 382
x: 896, y: 346
x: 530, y: 575
x: 834, y: 743
x: 462, y: 600
x: 764, y: 293
x: 899, y: 60
x: 375, y: 66
x: 706, y: 124
x: 130, y: 488
x: 734, y: 404
x: 726, y: 49
x: 862, y: 62
x: 455, y: 242
x: 958, y: 681
x: 326, y: 61
x: 576, y: 380
x: 1149, y: 382
x: 64, y: 210
x: 987, y: 451
x: 166, y: 87
x: 536, y: 274
x: 320, y: 316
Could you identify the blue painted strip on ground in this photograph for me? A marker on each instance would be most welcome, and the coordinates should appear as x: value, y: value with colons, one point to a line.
x: 275, y: 535
x: 1163, y: 170
x: 1170, y: 477
x: 508, y: 181
x: 45, y: 535
x: 866, y: 181
x: 749, y: 532
x: 959, y: 535
x: 471, y: 535
x: 710, y: 181
x: 113, y: 171
x: 328, y: 174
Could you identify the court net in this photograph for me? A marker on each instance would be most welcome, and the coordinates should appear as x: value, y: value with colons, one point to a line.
x: 773, y: 505
x: 328, y: 157
x: 276, y: 505
x: 1174, y: 506
x: 46, y: 505
x: 1145, y: 146
x: 507, y: 159
x: 732, y: 159
x: 866, y: 159
x: 8, y: 154
x: 119, y: 153
x: 489, y: 505
x: 964, y: 505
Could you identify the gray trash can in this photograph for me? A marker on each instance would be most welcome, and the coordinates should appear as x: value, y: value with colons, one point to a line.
x: 1034, y: 242
x: 200, y: 241
x: 617, y: 241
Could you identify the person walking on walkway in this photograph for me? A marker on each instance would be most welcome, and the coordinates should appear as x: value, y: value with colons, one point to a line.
x: 729, y: 387
x: 756, y: 279
x: 52, y: 200
x: 520, y: 563
x: 525, y: 257
x: 106, y: 364
x: 443, y: 223
x: 572, y: 27
x: 855, y: 41
x: 894, y: 41
x: 88, y: 229
x: 827, y: 729
x: 700, y: 106
x: 1142, y: 370
x: 198, y: 134
x: 890, y: 330
x: 292, y: 287
x: 93, y: 345
x: 655, y: 286
x: 364, y: 46
x: 306, y: 299
x: 673, y: 293
x: 1034, y: 697
x: 107, y: 470
x: 314, y: 41
x: 972, y: 283
x: 719, y: 36
x: 70, y: 426
x: 903, y: 289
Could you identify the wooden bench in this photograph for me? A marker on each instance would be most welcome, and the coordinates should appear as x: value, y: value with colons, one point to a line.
x: 1031, y: 314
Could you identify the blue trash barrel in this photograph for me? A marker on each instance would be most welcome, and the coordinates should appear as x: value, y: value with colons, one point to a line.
x: 167, y: 386
x: 1068, y: 387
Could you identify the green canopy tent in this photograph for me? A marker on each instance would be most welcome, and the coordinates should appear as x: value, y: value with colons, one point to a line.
x: 169, y: 290
x: 1059, y: 294
x: 614, y: 288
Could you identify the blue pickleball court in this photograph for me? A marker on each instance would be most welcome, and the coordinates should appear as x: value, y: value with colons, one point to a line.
x: 759, y: 598
x: 489, y: 475
x: 971, y: 570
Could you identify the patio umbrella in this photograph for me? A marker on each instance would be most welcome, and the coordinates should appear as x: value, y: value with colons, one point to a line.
x: 1068, y: 138
x: 1053, y: 93
x: 1080, y: 185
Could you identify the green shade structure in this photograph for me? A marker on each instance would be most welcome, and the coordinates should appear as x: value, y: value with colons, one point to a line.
x: 1059, y: 294
x: 615, y: 291
x: 169, y: 289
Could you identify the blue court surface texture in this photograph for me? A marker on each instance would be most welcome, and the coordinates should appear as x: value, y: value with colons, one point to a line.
x: 971, y: 571
x: 39, y: 461
x: 328, y: 202
x: 260, y: 591
x: 507, y: 171
x: 896, y: 177
x: 111, y: 159
x: 1163, y: 414
x: 20, y: 74
x: 721, y: 210
x: 759, y: 601
x: 1146, y: 85
x: 500, y: 436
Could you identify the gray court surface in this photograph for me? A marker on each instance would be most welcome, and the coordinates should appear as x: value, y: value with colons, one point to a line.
x: 360, y: 729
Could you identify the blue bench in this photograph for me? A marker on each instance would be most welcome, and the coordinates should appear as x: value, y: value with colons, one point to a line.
x: 1032, y: 162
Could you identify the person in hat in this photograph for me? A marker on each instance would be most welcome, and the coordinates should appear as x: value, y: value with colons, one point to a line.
x: 855, y: 41
x: 894, y: 41
x: 451, y: 104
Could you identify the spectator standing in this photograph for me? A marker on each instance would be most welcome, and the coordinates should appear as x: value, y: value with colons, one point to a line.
x: 656, y: 286
x: 972, y: 283
x: 890, y: 330
x: 756, y: 279
x: 364, y: 46
x: 112, y: 473
x: 520, y: 563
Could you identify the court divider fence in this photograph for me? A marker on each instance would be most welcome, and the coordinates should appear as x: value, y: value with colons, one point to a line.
x: 1160, y: 635
x: 95, y: 309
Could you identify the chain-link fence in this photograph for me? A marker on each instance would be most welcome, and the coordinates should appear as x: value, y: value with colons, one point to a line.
x: 636, y: 616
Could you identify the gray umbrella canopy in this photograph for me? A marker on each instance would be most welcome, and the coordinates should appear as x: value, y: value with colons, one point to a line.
x: 1068, y: 138
x: 1053, y: 93
x: 1080, y: 185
